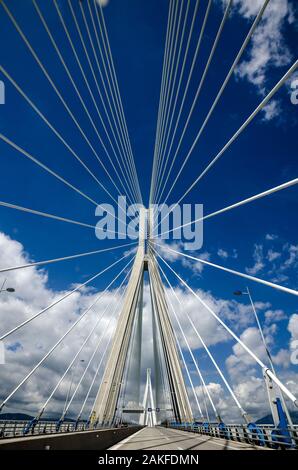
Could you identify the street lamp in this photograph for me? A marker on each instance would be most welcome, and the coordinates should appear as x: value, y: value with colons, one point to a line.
x: 8, y: 289
x: 247, y: 292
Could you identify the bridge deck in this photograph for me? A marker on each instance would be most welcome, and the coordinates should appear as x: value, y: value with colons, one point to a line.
x: 160, y: 438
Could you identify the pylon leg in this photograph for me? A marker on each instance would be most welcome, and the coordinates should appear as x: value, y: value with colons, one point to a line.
x: 180, y: 402
x: 108, y: 394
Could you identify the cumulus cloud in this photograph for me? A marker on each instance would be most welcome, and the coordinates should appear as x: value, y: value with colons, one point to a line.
x: 272, y: 255
x: 275, y: 257
x: 285, y: 264
x: 271, y: 236
x: 208, y: 327
x: 103, y: 3
x: 292, y: 251
x: 195, y: 266
x: 225, y: 254
x: 258, y: 260
x: 282, y: 358
x: 268, y: 48
x: 26, y: 347
x: 268, y: 45
x: 251, y: 337
x: 163, y: 248
x: 271, y: 110
x: 274, y: 316
x: 222, y: 253
x: 252, y: 394
x: 217, y: 394
x: 293, y: 326
x: 245, y: 375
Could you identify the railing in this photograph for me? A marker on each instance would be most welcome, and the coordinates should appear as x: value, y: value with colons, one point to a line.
x: 267, y: 436
x: 24, y: 428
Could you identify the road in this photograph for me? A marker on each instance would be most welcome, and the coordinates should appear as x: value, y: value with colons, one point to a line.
x: 160, y: 438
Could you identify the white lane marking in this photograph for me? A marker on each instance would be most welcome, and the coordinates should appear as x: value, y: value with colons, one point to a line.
x: 201, y: 439
x: 162, y: 434
x: 217, y: 443
x: 117, y: 446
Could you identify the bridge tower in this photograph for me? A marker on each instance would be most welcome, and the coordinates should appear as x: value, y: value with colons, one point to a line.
x: 106, y: 401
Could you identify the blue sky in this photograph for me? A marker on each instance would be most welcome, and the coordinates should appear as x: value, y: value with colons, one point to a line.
x: 260, y: 237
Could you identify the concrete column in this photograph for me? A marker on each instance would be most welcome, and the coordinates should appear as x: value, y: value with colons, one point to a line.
x: 107, y: 397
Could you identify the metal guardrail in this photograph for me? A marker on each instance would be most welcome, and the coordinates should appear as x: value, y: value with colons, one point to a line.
x: 267, y: 436
x: 23, y: 428
x: 88, y: 439
x: 259, y: 435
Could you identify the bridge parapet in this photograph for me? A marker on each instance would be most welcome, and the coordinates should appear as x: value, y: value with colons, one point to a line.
x: 267, y: 436
x: 46, y: 438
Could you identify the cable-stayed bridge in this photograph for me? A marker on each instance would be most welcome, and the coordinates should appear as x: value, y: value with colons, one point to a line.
x: 169, y: 411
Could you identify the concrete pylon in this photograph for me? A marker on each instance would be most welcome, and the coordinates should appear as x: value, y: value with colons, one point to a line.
x: 106, y: 401
x: 148, y: 418
x: 180, y: 402
x: 107, y: 397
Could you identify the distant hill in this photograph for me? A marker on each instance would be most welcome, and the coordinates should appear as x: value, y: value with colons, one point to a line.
x: 24, y: 417
x: 268, y: 418
x: 16, y: 416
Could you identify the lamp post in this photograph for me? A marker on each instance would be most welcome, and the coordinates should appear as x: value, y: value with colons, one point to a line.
x: 247, y: 292
x: 8, y: 289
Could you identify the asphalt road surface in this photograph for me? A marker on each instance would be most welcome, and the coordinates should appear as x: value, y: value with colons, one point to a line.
x: 160, y: 438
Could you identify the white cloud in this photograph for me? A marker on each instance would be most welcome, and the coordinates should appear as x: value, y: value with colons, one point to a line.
x: 250, y: 392
x: 208, y: 327
x: 222, y: 253
x: 274, y: 316
x: 282, y: 358
x: 26, y: 347
x: 291, y: 84
x: 292, y: 251
x: 293, y: 326
x: 251, y: 337
x: 240, y: 362
x: 103, y: 3
x: 163, y: 248
x: 247, y: 8
x: 267, y: 48
x: 271, y: 110
x: 273, y: 255
x: 246, y: 375
x: 280, y: 278
x: 218, y: 397
x: 258, y: 257
x: 196, y: 266
x: 271, y: 236
x: 279, y: 261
